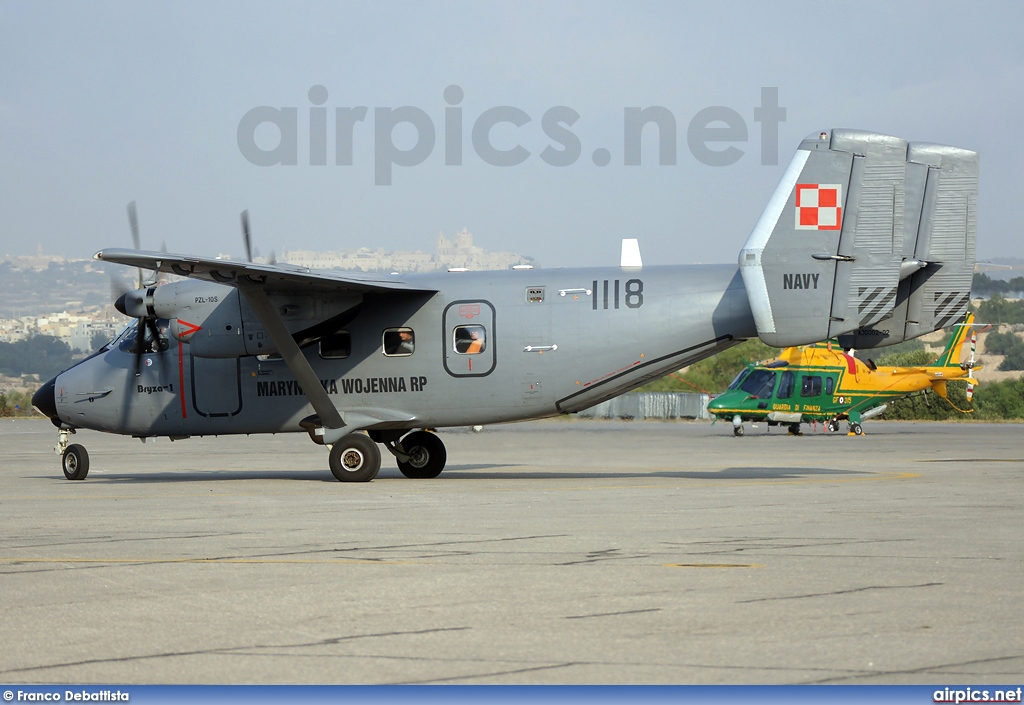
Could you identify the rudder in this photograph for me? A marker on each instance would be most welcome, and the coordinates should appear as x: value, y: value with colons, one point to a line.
x: 829, y: 255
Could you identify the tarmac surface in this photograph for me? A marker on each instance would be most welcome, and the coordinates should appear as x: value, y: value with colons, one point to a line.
x: 563, y: 551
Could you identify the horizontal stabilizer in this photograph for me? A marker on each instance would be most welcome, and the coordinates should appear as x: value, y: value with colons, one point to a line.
x: 857, y: 219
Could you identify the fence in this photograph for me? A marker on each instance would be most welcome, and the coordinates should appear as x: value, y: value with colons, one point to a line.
x: 651, y: 405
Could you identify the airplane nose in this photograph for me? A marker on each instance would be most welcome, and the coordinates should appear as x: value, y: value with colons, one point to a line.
x: 45, y: 399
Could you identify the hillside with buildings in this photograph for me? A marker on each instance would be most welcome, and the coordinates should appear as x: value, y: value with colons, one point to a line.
x: 71, y: 299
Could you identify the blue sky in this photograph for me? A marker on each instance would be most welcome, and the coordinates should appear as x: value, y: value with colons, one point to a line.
x: 103, y: 103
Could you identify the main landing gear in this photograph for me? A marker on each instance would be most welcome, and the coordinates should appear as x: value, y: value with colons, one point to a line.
x: 356, y: 458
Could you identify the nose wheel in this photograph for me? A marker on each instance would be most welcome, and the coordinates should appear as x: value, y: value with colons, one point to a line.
x: 74, y: 458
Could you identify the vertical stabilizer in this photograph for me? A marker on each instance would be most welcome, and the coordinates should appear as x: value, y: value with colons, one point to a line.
x: 850, y: 220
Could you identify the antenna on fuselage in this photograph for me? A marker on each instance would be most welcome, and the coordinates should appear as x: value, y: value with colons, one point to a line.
x: 630, y: 253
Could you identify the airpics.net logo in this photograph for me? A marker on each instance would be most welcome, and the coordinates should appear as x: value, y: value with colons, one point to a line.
x: 714, y: 135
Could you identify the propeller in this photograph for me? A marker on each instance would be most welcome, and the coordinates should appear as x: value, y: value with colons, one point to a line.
x: 131, y: 302
x: 247, y: 239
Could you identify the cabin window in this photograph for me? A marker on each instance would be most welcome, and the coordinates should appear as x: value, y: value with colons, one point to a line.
x: 336, y: 346
x: 469, y: 340
x: 759, y: 383
x: 811, y: 386
x: 830, y: 385
x: 399, y: 342
x: 786, y: 385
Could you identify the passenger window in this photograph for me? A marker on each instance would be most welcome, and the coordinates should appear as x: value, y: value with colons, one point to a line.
x: 811, y: 386
x: 399, y: 342
x: 336, y: 346
x: 470, y: 340
x: 830, y: 385
x: 786, y: 385
x: 759, y: 384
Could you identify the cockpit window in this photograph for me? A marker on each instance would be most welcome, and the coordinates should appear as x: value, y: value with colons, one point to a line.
x: 786, y: 385
x: 150, y: 344
x: 735, y: 384
x: 759, y: 384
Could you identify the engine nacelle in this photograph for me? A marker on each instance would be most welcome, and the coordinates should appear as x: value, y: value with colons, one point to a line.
x: 217, y: 322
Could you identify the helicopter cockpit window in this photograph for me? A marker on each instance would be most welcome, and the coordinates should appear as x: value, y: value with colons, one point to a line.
x: 786, y: 385
x: 830, y: 385
x: 735, y: 384
x: 151, y: 343
x: 470, y: 340
x: 759, y: 384
x: 811, y: 386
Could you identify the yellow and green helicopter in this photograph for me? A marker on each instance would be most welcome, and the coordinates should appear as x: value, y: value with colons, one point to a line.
x: 823, y: 382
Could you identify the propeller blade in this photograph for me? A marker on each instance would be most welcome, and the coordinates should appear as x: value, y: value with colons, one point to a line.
x: 246, y: 236
x: 140, y: 335
x: 118, y: 287
x: 160, y: 343
x: 133, y: 221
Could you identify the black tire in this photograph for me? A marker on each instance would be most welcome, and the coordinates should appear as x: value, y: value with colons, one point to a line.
x: 833, y: 425
x: 355, y: 458
x: 737, y: 430
x: 856, y: 429
x: 427, y: 455
x: 75, y: 462
x: 794, y: 429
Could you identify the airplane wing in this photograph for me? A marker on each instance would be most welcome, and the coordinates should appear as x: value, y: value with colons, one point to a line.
x: 256, y: 282
x: 273, y: 277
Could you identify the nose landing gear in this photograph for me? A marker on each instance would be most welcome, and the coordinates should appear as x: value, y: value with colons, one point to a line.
x: 74, y: 457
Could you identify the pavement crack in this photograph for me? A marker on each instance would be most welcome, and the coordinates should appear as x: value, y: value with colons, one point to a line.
x: 229, y: 650
x: 612, y: 614
x: 841, y: 592
x: 490, y: 674
x: 923, y: 669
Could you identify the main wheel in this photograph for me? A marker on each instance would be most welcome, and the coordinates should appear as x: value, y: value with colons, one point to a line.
x: 794, y: 429
x: 355, y: 458
x: 427, y: 455
x: 855, y: 429
x: 833, y: 425
x: 75, y: 462
x: 737, y: 430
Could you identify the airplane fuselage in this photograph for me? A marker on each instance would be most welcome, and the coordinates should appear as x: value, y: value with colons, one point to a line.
x: 553, y: 341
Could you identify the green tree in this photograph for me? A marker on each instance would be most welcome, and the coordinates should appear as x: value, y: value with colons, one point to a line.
x: 715, y: 373
x: 1000, y: 400
x: 1000, y: 310
x: 43, y: 355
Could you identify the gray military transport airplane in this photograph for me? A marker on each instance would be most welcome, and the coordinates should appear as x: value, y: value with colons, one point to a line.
x: 867, y: 238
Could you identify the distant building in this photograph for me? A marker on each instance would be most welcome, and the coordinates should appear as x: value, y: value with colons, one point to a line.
x: 459, y: 252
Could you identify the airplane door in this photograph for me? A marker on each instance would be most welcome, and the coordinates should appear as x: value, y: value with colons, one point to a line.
x: 469, y: 339
x: 216, y: 386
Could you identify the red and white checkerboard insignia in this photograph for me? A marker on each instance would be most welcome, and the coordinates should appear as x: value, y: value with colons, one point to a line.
x: 819, y: 207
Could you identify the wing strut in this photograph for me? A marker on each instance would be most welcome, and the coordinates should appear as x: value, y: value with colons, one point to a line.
x: 289, y: 350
